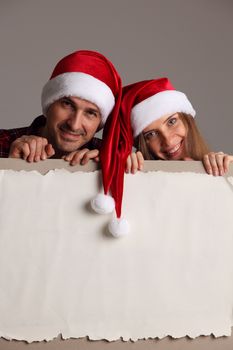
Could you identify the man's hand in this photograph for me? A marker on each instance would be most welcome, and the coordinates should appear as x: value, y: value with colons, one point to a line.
x: 135, y: 162
x: 217, y: 164
x: 82, y: 156
x: 31, y: 148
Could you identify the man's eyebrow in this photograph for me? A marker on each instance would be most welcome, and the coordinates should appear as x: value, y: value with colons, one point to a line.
x: 68, y: 99
x: 93, y: 109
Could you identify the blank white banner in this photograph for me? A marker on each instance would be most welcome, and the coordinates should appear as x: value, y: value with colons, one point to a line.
x: 61, y: 272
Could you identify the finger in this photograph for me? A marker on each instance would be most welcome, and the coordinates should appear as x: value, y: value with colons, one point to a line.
x: 39, y: 149
x: 78, y: 156
x: 140, y: 160
x: 89, y: 155
x: 226, y: 162
x: 96, y: 159
x: 207, y: 165
x: 128, y: 164
x: 48, y: 151
x: 69, y: 156
x: 32, y: 146
x: 213, y: 163
x: 219, y: 160
x: 134, y: 165
x: 43, y: 153
x: 25, y: 149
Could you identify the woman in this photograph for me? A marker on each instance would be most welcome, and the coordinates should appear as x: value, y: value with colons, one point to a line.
x: 164, y: 128
x: 160, y: 121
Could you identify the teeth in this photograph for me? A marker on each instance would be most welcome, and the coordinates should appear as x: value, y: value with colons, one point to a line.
x: 174, y: 149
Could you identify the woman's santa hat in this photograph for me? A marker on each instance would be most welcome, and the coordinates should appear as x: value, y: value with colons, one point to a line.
x: 154, y: 99
x: 88, y: 75
x: 142, y: 103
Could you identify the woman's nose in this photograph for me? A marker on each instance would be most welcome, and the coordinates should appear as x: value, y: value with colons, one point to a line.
x: 167, y: 137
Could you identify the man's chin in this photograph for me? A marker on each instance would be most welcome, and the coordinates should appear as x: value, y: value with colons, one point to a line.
x: 64, y: 148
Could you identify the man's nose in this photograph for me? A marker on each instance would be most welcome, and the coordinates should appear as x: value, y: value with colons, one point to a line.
x: 75, y: 120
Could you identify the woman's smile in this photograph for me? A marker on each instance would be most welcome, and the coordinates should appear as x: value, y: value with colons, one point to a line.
x: 175, y: 152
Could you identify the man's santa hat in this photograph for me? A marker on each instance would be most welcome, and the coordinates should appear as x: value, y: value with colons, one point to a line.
x: 91, y: 76
x: 88, y: 75
x: 142, y: 103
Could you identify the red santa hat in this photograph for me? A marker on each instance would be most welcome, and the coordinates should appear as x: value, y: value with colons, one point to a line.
x: 152, y: 100
x: 91, y: 76
x: 142, y: 103
x: 88, y: 75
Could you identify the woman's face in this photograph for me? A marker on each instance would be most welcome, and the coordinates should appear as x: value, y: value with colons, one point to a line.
x: 166, y: 136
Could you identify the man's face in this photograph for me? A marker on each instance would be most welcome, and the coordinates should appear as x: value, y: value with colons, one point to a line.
x: 71, y: 123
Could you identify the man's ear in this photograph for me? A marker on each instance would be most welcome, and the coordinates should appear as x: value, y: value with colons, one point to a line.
x: 100, y: 126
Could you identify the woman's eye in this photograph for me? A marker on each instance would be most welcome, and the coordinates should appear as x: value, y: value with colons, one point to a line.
x: 172, y: 121
x: 150, y: 135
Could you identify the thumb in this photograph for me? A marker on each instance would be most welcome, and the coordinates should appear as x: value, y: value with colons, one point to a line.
x: 49, y: 150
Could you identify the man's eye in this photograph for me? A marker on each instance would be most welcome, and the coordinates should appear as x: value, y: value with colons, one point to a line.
x: 172, y: 121
x: 66, y: 103
x: 92, y: 113
x: 150, y: 135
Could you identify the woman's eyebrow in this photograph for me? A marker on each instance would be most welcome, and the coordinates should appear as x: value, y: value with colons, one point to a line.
x: 147, y: 132
x: 169, y: 117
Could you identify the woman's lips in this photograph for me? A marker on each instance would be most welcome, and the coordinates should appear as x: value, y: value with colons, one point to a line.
x: 174, y: 152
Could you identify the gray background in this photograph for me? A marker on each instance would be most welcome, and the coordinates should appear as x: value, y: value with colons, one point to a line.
x: 190, y: 41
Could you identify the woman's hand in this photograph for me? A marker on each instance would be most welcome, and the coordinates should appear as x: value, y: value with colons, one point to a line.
x: 31, y: 148
x: 135, y: 162
x: 217, y: 164
x: 82, y: 156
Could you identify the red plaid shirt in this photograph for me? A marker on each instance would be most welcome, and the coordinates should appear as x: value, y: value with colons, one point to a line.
x: 8, y: 136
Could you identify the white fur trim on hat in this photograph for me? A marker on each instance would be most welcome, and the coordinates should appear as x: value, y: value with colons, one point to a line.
x: 80, y: 85
x: 119, y: 227
x: 103, y: 204
x: 157, y: 106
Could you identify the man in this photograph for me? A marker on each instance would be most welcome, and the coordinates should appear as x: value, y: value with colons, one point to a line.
x: 84, y: 89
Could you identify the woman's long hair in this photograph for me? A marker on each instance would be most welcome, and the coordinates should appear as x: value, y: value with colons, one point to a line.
x: 195, y: 145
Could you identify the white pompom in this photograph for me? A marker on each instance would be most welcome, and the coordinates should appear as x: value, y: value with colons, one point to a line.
x: 103, y: 204
x: 119, y: 227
